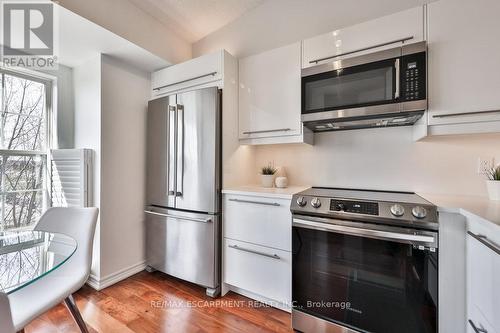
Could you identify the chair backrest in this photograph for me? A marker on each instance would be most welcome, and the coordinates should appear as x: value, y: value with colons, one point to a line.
x: 6, y: 325
x: 78, y: 223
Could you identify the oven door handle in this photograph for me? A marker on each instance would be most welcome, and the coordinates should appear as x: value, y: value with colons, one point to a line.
x: 407, y: 238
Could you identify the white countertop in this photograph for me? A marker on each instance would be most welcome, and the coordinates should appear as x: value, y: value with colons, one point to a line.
x: 256, y: 190
x: 479, y: 206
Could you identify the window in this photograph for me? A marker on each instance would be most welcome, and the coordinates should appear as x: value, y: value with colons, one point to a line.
x: 25, y: 102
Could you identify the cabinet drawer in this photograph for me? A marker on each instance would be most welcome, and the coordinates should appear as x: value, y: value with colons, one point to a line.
x: 476, y: 320
x: 483, y: 281
x: 195, y: 72
x: 258, y: 220
x: 175, y: 240
x: 258, y: 269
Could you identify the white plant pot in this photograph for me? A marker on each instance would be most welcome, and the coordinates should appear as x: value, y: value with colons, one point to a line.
x: 281, y: 182
x: 493, y: 189
x: 267, y: 180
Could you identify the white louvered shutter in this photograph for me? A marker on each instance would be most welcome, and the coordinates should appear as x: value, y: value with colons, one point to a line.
x: 71, y: 177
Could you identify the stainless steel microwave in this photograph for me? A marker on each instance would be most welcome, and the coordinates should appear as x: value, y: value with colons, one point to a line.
x: 380, y: 89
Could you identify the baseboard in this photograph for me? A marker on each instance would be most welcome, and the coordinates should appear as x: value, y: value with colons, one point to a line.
x: 262, y: 299
x: 106, y: 281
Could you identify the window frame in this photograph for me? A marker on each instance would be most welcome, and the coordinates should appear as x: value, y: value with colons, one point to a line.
x: 49, y: 82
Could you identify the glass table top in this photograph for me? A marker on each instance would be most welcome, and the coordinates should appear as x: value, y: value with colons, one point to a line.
x: 26, y: 256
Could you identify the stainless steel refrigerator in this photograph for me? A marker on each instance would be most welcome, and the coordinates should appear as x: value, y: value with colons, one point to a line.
x: 183, y: 187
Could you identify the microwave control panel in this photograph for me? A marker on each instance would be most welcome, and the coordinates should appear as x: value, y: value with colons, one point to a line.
x: 413, y: 77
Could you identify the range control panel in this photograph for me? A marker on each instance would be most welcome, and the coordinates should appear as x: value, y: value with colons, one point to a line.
x: 413, y: 77
x: 359, y: 207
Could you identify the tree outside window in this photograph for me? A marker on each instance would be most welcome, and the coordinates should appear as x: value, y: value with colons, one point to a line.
x: 23, y: 149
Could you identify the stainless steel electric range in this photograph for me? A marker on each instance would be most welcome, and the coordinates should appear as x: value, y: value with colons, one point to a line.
x: 364, y: 261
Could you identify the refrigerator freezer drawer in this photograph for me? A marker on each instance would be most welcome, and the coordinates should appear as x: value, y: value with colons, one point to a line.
x: 184, y: 245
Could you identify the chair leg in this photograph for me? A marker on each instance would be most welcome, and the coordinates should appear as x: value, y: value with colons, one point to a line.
x: 73, y: 309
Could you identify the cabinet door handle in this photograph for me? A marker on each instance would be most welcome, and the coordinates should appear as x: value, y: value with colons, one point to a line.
x: 485, y: 241
x: 472, y: 113
x: 184, y: 81
x: 268, y: 131
x: 256, y: 202
x: 477, y: 329
x: 273, y: 256
x: 402, y: 40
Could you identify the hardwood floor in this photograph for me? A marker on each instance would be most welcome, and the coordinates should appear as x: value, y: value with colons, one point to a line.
x: 154, y: 302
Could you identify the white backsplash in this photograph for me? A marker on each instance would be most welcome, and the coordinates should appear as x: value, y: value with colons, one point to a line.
x: 386, y: 159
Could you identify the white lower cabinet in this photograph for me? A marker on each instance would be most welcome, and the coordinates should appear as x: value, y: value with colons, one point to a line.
x: 262, y: 221
x: 257, y: 248
x: 258, y: 269
x: 476, y: 322
x: 483, y: 279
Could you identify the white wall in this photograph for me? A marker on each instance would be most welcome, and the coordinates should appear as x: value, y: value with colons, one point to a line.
x: 65, y: 114
x: 386, y: 159
x: 280, y: 22
x: 378, y: 158
x: 125, y: 92
x: 87, y: 85
x: 110, y: 118
x: 130, y: 22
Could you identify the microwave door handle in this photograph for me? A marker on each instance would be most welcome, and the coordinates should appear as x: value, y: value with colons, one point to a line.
x: 398, y: 79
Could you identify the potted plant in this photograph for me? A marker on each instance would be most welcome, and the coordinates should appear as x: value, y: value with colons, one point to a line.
x: 267, y: 175
x: 493, y: 183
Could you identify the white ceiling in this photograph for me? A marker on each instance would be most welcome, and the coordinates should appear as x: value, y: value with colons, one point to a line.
x: 194, y: 19
x: 81, y: 40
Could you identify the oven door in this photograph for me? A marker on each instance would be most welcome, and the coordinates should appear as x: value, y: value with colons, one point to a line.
x: 360, y: 86
x: 364, y: 277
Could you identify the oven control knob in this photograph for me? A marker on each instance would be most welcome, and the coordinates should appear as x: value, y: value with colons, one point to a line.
x: 301, y: 201
x: 419, y: 212
x: 315, y: 202
x: 397, y: 210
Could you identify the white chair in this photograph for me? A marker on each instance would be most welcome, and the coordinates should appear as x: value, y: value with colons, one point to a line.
x: 59, y: 285
x: 6, y: 324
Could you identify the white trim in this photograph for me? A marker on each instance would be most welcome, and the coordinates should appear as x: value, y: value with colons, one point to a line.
x: 110, y: 279
x: 262, y: 299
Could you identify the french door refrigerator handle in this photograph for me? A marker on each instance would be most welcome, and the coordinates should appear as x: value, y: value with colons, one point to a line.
x: 194, y: 219
x: 414, y: 239
x: 172, y: 149
x: 180, y: 151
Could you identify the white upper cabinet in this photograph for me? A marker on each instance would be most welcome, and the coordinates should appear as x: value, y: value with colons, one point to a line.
x: 464, y: 61
x: 402, y: 25
x: 269, y: 97
x: 195, y: 72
